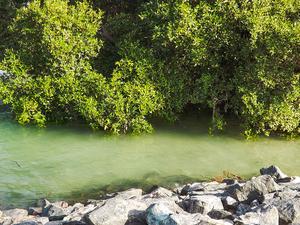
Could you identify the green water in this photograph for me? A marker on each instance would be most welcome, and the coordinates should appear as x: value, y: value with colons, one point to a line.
x: 73, y: 162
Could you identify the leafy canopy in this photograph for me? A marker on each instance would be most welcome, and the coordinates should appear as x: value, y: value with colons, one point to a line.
x: 50, y: 76
x: 142, y: 58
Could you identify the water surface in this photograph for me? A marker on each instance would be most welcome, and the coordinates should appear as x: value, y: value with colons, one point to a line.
x: 71, y: 161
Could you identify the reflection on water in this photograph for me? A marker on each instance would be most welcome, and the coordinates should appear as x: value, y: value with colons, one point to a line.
x: 63, y: 162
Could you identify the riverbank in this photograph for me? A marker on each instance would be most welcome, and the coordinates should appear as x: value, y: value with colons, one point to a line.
x: 80, y: 162
x: 272, y: 198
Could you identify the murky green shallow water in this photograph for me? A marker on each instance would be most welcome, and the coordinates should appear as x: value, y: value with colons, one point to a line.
x: 67, y: 162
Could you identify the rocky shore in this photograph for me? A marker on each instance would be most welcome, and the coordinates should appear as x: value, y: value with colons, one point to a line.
x: 271, y: 198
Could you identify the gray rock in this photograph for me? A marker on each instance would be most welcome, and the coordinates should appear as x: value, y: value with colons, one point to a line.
x: 254, y: 203
x: 78, y: 212
x: 242, y: 209
x: 56, y: 210
x: 60, y: 222
x: 203, y: 187
x: 57, y: 222
x: 6, y: 220
x: 27, y: 223
x: 15, y: 213
x: 192, y: 187
x: 255, y: 189
x: 203, y: 204
x: 161, y: 214
x: 77, y: 206
x: 267, y: 215
x: 229, y: 202
x: 269, y: 196
x: 13, y: 216
x: 95, y: 202
x: 132, y: 193
x: 229, y: 181
x: 35, y: 211
x: 36, y: 219
x: 43, y: 203
x: 214, y: 186
x: 274, y: 172
x: 161, y: 193
x: 118, y: 211
x: 288, y: 206
x: 290, y: 183
x: 214, y: 222
x: 220, y: 214
x: 178, y: 188
x: 219, y: 193
x: 73, y: 223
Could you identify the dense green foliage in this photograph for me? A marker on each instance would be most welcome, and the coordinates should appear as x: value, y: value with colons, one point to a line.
x: 51, y: 78
x: 155, y: 58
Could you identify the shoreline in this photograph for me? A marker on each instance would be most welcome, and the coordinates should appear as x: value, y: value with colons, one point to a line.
x: 271, y: 198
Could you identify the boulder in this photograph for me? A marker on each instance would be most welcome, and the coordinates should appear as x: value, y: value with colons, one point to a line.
x: 132, y: 193
x: 15, y: 213
x: 77, y: 206
x: 43, y: 203
x: 161, y: 195
x: 242, y: 209
x: 254, y: 203
x: 118, y: 211
x: 293, y: 184
x: 54, y: 212
x: 36, y: 219
x: 95, y: 202
x: 13, y: 216
x: 288, y: 206
x: 27, y: 223
x: 263, y: 214
x: 6, y: 220
x: 203, y: 204
x: 229, y: 202
x: 161, y: 192
x: 192, y: 187
x: 214, y: 186
x: 60, y: 222
x: 274, y: 172
x: 219, y: 214
x: 151, y: 198
x: 161, y: 214
x: 203, y: 187
x: 229, y: 181
x: 255, y: 189
x: 56, y: 222
x: 73, y: 223
x: 78, y: 212
x: 57, y: 210
x: 26, y: 220
x: 35, y: 211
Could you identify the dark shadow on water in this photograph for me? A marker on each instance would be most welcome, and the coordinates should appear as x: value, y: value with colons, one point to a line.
x: 189, y: 124
x: 146, y: 183
x: 193, y: 124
